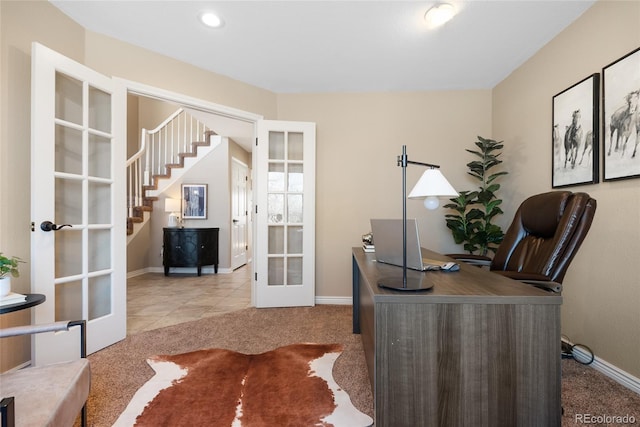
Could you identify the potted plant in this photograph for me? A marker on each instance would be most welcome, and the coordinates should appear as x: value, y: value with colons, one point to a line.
x: 8, y: 269
x: 472, y: 223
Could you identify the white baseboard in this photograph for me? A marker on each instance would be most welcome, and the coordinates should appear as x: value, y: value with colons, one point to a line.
x: 135, y: 273
x: 334, y: 300
x: 611, y: 371
x: 17, y: 368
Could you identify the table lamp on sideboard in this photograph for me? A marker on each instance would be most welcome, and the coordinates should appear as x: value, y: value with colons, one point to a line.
x: 173, y: 207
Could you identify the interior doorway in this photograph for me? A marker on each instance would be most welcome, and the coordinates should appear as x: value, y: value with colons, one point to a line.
x: 284, y: 274
x: 237, y: 125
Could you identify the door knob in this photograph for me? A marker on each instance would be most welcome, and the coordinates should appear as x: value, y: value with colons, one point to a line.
x: 49, y: 226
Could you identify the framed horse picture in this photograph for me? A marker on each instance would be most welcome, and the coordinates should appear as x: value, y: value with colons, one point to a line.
x: 621, y: 118
x: 575, y: 134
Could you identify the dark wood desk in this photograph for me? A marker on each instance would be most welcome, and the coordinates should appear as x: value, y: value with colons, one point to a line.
x: 476, y: 350
x: 32, y: 300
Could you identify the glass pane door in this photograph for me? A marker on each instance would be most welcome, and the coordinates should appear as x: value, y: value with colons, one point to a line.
x: 285, y: 228
x: 83, y: 199
x: 285, y: 208
x: 78, y: 156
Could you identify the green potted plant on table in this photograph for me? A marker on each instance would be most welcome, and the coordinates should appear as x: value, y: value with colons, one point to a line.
x: 8, y: 269
x: 472, y: 224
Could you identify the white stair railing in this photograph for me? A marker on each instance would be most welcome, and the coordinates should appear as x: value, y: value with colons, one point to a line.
x: 158, y: 148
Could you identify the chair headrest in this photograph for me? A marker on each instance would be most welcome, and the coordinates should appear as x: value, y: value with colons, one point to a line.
x: 545, y: 234
x: 540, y: 214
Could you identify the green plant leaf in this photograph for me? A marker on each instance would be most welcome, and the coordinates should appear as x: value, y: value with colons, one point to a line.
x: 475, y: 210
x: 492, y: 177
x: 9, y: 266
x: 475, y: 214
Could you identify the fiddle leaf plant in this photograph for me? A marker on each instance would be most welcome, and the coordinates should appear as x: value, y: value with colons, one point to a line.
x: 472, y: 225
x: 9, y: 266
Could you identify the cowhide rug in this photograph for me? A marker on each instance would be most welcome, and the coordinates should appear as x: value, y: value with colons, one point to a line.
x: 288, y: 386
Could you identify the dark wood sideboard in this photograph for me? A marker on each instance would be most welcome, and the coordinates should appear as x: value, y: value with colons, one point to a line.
x: 478, y: 349
x: 190, y: 247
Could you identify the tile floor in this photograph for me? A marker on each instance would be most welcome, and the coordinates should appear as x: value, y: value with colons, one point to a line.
x: 155, y: 301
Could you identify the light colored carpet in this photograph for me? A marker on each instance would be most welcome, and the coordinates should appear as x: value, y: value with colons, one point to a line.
x: 118, y: 371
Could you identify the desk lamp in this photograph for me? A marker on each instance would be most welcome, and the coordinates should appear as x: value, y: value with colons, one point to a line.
x: 172, y: 206
x: 431, y: 185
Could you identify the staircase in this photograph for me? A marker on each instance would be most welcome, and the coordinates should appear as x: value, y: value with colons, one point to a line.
x: 166, y: 152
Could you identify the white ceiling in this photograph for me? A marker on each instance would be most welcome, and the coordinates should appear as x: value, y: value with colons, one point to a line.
x: 335, y: 46
x: 338, y: 46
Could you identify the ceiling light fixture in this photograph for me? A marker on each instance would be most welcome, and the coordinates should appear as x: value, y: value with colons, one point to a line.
x: 439, y: 14
x: 211, y: 20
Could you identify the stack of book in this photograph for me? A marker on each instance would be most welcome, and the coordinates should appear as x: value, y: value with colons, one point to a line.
x: 12, y: 298
x: 368, y: 248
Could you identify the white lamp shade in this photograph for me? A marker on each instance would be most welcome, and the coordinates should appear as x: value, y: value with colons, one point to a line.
x: 171, y: 205
x: 432, y: 184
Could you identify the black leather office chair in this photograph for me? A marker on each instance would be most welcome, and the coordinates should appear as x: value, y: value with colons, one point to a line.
x: 543, y: 238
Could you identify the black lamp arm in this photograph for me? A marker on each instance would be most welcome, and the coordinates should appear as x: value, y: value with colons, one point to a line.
x: 403, y: 161
x: 411, y: 162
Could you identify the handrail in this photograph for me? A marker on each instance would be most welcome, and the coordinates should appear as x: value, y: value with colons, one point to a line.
x: 167, y: 120
x: 142, y: 150
x: 143, y: 141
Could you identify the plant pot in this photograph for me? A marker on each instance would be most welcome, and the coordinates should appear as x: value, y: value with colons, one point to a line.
x: 5, y: 286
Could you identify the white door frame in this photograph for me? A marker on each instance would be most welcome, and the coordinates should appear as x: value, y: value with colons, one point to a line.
x: 238, y: 260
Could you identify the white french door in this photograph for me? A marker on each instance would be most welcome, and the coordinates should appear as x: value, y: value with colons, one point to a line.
x: 239, y: 214
x: 78, y: 204
x: 285, y: 215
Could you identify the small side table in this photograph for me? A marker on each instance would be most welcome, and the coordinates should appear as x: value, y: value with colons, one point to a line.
x: 31, y: 301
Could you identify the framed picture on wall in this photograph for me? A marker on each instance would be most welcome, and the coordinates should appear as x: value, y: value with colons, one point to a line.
x: 194, y: 201
x: 575, y: 134
x: 621, y: 118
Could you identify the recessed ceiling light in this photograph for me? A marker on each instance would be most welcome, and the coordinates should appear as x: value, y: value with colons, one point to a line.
x: 439, y: 14
x: 210, y: 19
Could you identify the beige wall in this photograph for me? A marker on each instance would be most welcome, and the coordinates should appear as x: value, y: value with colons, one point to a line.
x: 133, y: 126
x: 114, y: 58
x: 359, y: 137
x: 602, y: 287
